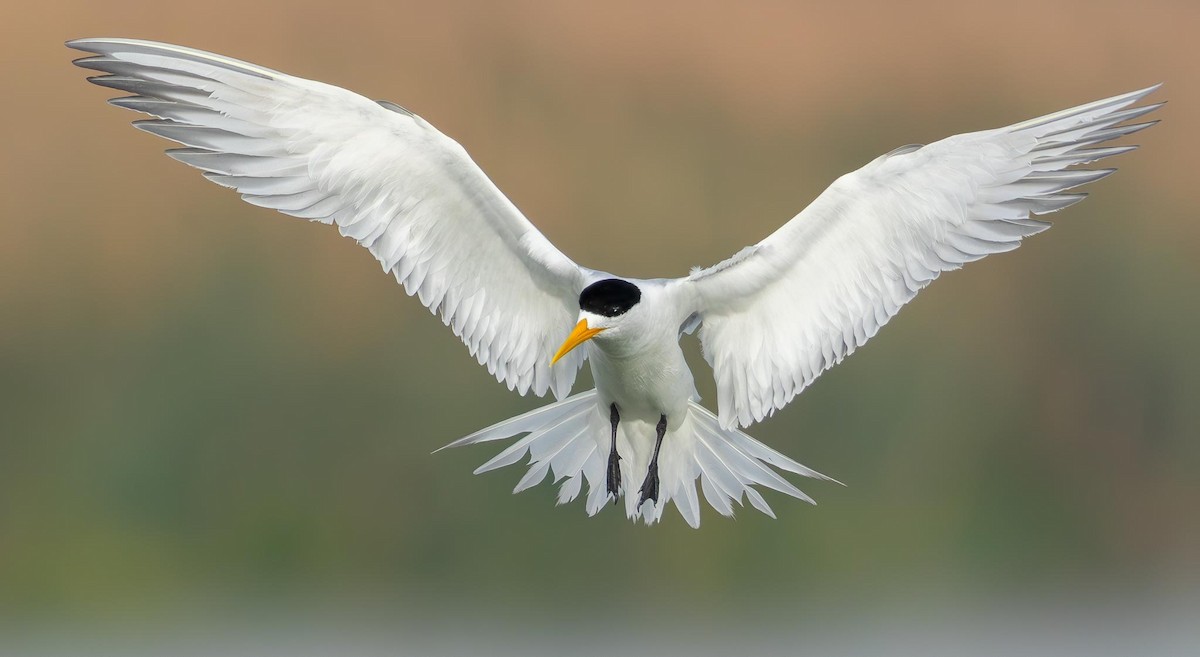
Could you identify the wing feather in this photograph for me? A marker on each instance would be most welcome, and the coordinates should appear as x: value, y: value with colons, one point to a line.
x: 778, y: 314
x: 383, y: 175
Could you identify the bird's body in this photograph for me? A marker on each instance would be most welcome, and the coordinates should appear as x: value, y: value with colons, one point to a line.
x: 770, y: 319
x: 644, y: 372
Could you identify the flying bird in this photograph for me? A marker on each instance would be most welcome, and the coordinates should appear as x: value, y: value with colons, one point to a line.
x: 770, y: 319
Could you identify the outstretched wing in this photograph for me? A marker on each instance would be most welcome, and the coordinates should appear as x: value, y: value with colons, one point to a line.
x: 778, y: 314
x: 383, y: 175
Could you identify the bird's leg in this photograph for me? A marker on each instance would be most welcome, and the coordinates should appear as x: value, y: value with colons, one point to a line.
x: 650, y: 485
x: 614, y: 460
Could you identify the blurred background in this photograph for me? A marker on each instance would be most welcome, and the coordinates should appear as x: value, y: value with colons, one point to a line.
x: 216, y: 421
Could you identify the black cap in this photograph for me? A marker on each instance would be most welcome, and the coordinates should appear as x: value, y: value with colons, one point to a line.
x: 610, y: 297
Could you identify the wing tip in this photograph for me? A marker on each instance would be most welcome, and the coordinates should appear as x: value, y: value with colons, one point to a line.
x: 101, y: 45
x: 1104, y: 106
x: 78, y: 44
x: 111, y: 46
x: 1131, y: 97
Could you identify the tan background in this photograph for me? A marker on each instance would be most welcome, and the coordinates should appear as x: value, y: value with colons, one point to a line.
x: 207, y: 407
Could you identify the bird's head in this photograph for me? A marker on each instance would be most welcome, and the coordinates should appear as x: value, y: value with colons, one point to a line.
x: 604, y: 308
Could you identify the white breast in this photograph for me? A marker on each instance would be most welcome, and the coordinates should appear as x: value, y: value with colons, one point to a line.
x: 644, y: 384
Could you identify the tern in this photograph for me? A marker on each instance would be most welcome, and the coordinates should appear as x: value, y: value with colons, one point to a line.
x: 770, y: 319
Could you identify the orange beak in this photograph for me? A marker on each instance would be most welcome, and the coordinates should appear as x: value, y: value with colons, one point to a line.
x: 579, y: 335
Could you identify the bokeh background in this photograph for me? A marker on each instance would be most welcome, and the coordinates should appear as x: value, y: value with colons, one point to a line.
x: 216, y: 421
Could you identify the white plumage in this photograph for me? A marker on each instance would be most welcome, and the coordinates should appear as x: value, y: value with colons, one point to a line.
x: 797, y: 303
x: 771, y: 318
x: 383, y: 175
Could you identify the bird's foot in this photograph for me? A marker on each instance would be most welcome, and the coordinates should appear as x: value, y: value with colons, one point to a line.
x: 649, y: 490
x: 614, y: 475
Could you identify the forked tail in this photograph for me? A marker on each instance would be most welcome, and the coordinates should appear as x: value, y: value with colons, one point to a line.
x: 570, y: 439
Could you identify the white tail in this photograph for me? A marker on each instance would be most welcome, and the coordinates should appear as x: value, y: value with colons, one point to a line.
x: 571, y: 439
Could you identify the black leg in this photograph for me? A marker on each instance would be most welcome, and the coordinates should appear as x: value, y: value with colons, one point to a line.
x: 650, y: 485
x: 614, y: 460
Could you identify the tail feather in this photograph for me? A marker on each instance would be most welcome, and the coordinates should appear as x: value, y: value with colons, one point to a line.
x: 523, y: 423
x: 534, y: 476
x: 539, y: 442
x: 569, y: 440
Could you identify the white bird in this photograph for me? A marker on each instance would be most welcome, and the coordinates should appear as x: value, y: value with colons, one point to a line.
x: 771, y: 318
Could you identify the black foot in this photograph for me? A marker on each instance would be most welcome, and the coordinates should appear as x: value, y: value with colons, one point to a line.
x: 649, y: 490
x: 614, y: 474
x: 614, y: 459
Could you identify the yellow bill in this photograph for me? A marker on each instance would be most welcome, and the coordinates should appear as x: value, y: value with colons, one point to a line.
x: 579, y: 335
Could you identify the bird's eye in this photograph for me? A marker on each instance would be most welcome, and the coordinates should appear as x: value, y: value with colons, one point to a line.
x: 609, y: 297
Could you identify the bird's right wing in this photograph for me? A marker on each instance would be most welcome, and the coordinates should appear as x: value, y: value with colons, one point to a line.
x: 385, y: 177
x: 778, y: 314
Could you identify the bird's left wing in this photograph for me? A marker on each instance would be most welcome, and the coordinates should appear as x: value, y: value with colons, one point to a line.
x: 383, y: 175
x: 778, y: 314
